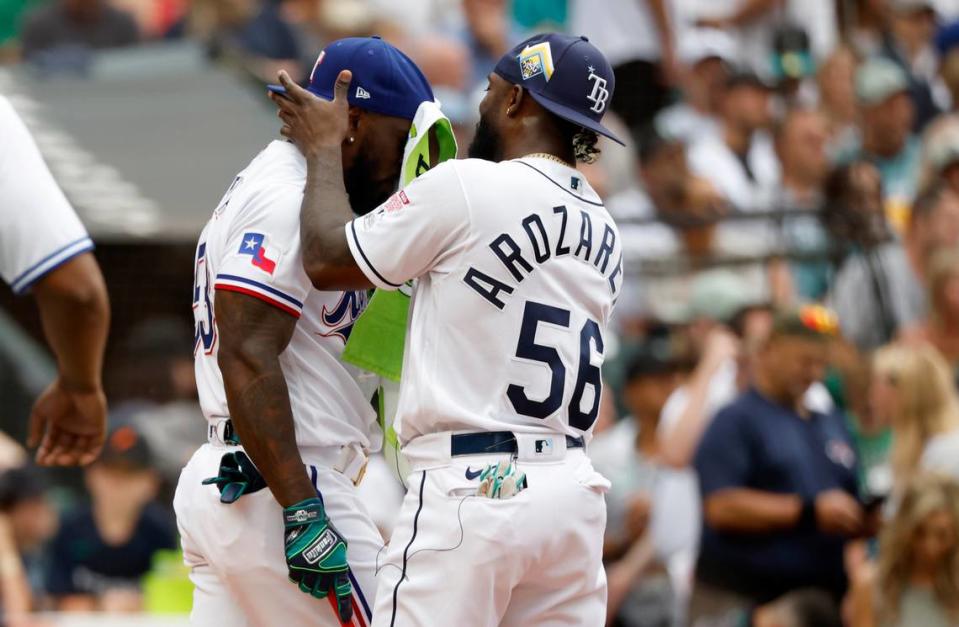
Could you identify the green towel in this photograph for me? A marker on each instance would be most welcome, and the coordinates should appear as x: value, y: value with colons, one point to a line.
x: 378, y: 337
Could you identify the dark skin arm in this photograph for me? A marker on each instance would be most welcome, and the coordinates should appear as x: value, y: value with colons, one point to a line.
x: 68, y: 421
x: 253, y: 334
x: 751, y: 511
x: 744, y: 510
x: 318, y: 128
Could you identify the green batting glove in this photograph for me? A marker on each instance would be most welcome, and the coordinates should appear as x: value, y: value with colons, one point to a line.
x: 316, y: 555
x: 238, y: 476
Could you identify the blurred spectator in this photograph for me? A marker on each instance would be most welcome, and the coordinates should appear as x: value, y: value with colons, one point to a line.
x: 102, y: 551
x: 916, y: 579
x: 793, y: 66
x: 878, y: 290
x: 740, y: 160
x: 490, y: 32
x: 706, y: 60
x: 801, y: 608
x: 755, y: 23
x: 909, y: 43
x: 155, y: 385
x: 628, y: 455
x: 637, y: 37
x: 947, y: 46
x: 867, y: 419
x: 863, y: 23
x: 916, y: 385
x: 778, y: 480
x: 837, y: 99
x: 800, y: 142
x: 68, y: 24
x: 887, y: 116
x: 941, y: 328
x: 27, y: 521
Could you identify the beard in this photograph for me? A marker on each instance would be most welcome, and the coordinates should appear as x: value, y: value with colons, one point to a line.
x: 486, y: 143
x: 365, y: 195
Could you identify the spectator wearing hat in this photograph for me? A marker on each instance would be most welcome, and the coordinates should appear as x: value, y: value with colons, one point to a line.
x: 909, y: 42
x: 706, y: 61
x: 641, y: 593
x: 27, y: 521
x: 740, y: 160
x: 104, y: 549
x: 778, y: 480
x: 887, y: 115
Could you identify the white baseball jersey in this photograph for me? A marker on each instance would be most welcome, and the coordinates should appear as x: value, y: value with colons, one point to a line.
x: 251, y: 245
x: 518, y: 266
x: 38, y: 228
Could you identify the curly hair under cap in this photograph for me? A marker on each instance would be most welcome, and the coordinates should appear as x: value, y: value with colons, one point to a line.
x: 584, y: 145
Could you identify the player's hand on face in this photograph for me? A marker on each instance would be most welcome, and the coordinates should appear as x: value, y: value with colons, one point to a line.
x: 69, y: 425
x: 314, y: 124
x: 316, y: 555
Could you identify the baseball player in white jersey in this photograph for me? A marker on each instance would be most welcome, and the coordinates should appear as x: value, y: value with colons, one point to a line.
x: 45, y: 249
x: 284, y: 412
x: 518, y: 266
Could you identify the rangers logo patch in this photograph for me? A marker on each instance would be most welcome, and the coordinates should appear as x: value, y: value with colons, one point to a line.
x: 536, y: 60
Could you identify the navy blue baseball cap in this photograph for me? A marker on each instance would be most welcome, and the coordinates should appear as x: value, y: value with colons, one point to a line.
x: 567, y: 75
x: 384, y: 80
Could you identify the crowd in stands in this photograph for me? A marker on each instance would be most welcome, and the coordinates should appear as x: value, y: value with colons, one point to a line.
x: 781, y: 422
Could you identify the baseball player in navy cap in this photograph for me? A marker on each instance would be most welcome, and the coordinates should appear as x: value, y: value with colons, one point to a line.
x: 517, y: 266
x: 271, y: 498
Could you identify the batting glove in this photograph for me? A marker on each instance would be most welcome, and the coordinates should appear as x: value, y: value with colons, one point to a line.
x: 316, y: 555
x: 238, y: 476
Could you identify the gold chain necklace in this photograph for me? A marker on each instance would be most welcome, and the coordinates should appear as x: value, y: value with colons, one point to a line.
x: 546, y: 155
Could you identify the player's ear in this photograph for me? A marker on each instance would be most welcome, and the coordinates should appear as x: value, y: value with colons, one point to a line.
x: 355, y: 119
x: 516, y: 96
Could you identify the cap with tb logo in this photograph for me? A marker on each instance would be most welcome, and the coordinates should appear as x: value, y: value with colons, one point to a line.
x: 384, y: 80
x: 568, y: 76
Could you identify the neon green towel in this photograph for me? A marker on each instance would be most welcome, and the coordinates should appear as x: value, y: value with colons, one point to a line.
x: 378, y: 336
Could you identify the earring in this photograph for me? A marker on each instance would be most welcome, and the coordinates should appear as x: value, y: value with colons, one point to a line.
x: 351, y: 140
x: 509, y: 110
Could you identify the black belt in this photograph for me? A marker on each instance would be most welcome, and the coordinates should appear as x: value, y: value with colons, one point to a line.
x: 494, y: 442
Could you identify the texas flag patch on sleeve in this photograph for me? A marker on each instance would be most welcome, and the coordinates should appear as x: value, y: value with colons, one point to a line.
x: 254, y: 245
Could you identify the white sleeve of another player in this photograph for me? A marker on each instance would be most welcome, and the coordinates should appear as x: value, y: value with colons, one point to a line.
x: 262, y: 257
x: 39, y: 230
x: 420, y: 229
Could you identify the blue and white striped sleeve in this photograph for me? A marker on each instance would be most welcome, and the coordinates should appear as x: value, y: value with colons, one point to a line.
x: 39, y: 230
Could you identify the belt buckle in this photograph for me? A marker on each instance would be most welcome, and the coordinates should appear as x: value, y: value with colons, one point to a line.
x: 348, y: 465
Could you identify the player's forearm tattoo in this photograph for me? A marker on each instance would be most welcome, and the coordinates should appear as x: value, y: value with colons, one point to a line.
x: 325, y: 209
x: 253, y: 334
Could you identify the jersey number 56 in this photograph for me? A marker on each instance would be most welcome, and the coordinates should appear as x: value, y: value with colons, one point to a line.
x: 587, y: 374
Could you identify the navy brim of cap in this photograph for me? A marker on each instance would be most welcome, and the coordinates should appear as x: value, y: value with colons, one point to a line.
x: 280, y: 89
x: 571, y: 115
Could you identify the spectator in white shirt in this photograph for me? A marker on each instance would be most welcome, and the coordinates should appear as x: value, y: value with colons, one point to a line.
x: 706, y: 59
x: 740, y: 160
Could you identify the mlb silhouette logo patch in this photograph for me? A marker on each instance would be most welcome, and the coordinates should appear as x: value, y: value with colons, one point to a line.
x: 536, y: 60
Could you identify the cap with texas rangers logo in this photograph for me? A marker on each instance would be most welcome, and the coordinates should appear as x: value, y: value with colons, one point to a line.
x: 384, y: 80
x: 568, y: 76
